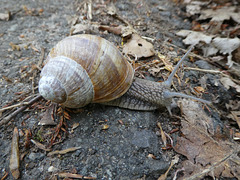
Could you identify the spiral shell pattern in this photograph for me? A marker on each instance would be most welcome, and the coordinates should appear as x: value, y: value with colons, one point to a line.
x: 82, y: 69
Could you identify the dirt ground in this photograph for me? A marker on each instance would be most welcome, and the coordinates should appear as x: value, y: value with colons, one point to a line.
x: 123, y: 149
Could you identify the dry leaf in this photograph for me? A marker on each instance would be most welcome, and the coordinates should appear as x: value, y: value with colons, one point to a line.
x: 212, y: 44
x: 233, y: 105
x: 227, y: 83
x: 80, y: 28
x: 193, y: 37
x: 226, y: 46
x: 194, y: 7
x: 127, y: 31
x: 138, y: 47
x: 222, y: 14
x: 47, y: 118
x: 236, y: 117
x: 208, y: 150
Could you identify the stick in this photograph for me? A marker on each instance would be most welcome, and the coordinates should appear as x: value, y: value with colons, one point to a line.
x: 205, y: 70
x: 9, y: 117
x: 14, y: 106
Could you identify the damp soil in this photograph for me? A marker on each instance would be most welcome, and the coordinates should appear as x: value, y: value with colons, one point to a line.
x: 120, y: 151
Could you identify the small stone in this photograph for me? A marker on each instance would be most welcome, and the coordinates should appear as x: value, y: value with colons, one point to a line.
x: 52, y: 169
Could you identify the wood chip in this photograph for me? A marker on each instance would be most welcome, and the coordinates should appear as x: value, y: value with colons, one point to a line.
x: 15, y: 159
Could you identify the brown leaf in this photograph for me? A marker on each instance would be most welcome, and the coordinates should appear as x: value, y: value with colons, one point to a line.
x: 207, y: 149
x: 227, y: 82
x: 138, y: 47
x: 236, y: 117
x: 47, y: 118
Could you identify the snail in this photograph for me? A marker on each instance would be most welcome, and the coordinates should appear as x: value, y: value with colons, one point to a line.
x: 83, y: 69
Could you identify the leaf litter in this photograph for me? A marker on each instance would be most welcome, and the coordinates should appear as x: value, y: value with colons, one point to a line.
x: 212, y: 45
x: 206, y: 145
x: 214, y: 35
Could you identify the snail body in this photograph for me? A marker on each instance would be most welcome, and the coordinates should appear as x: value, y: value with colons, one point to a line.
x: 85, y: 69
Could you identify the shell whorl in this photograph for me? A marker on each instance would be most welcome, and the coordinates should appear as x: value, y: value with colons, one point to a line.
x: 108, y: 75
x: 65, y: 81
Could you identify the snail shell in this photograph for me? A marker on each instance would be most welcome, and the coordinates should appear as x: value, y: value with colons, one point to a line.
x: 82, y: 69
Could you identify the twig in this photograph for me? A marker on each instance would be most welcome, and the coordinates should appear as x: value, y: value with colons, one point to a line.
x: 14, y: 106
x: 39, y: 64
x: 205, y: 70
x: 9, y: 117
x: 71, y: 175
x: 89, y: 13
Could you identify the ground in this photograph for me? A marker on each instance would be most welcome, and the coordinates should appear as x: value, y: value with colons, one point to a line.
x: 120, y: 151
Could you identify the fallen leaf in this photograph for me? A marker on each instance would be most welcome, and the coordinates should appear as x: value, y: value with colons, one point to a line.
x: 212, y: 44
x: 194, y: 7
x: 207, y: 148
x: 81, y: 28
x: 236, y: 117
x: 193, y: 37
x: 127, y: 31
x: 47, y: 118
x: 233, y: 105
x: 227, y: 46
x: 224, y: 13
x: 138, y: 47
x: 227, y: 83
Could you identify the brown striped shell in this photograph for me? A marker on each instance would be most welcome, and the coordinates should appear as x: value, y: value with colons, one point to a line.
x: 82, y: 69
